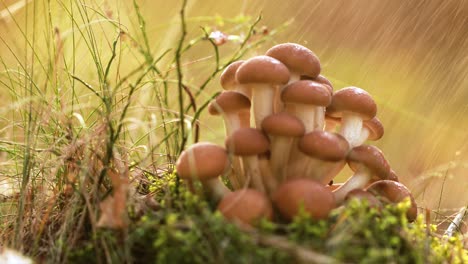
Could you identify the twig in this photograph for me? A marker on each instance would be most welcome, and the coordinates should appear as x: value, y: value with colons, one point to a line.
x: 457, y: 221
x: 300, y: 253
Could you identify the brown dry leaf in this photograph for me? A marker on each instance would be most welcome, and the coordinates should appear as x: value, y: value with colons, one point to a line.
x: 113, y: 208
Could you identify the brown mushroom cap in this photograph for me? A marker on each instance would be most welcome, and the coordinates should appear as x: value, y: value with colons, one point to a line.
x: 247, y: 206
x: 316, y: 199
x: 202, y: 161
x: 229, y: 101
x: 361, y: 195
x: 262, y: 69
x: 324, y: 145
x: 283, y: 124
x: 228, y: 77
x: 354, y: 100
x: 394, y: 192
x: 375, y: 127
x: 297, y: 58
x: 320, y: 79
x: 247, y: 142
x: 306, y: 92
x: 371, y: 158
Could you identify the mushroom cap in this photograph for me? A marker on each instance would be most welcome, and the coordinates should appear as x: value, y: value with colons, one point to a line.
x: 394, y: 192
x: 202, y: 161
x: 228, y: 102
x: 352, y: 100
x: 324, y: 145
x: 228, y: 77
x: 247, y: 206
x: 247, y: 142
x: 262, y: 69
x: 320, y: 79
x: 306, y: 92
x: 316, y: 199
x: 283, y: 124
x: 375, y: 127
x: 371, y: 158
x: 361, y: 195
x: 297, y: 58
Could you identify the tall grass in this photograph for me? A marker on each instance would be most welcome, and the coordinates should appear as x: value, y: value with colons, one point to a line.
x: 94, y: 106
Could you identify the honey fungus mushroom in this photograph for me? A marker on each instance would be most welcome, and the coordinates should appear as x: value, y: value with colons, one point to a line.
x: 367, y: 162
x: 299, y: 60
x: 315, y: 199
x: 352, y: 105
x: 394, y: 192
x: 262, y: 74
x: 234, y: 107
x: 229, y: 82
x: 248, y: 143
x: 246, y: 206
x: 307, y: 101
x: 205, y: 162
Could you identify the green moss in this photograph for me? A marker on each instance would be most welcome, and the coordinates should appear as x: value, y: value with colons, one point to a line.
x: 187, y: 229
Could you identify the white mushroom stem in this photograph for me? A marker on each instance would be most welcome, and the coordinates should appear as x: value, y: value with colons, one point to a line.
x: 305, y: 113
x: 271, y: 183
x: 319, y: 118
x: 232, y: 122
x: 351, y: 127
x: 362, y: 137
x: 244, y: 89
x: 280, y: 151
x: 252, y: 172
x: 357, y: 181
x: 215, y: 188
x: 294, y: 77
x: 263, y: 100
x: 297, y: 164
x: 323, y: 171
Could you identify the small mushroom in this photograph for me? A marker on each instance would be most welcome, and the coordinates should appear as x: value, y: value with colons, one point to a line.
x: 322, y: 80
x: 371, y: 130
x: 352, y: 105
x: 394, y: 192
x: 325, y: 155
x: 316, y: 199
x: 283, y: 130
x: 204, y: 161
x: 367, y: 162
x: 234, y: 107
x: 229, y: 82
x: 306, y: 100
x: 299, y: 60
x: 262, y: 74
x: 246, y: 206
x: 248, y: 143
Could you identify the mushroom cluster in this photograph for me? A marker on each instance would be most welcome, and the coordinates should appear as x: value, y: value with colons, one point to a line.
x: 288, y: 134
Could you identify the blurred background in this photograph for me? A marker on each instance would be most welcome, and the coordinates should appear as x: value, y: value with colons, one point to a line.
x: 412, y: 56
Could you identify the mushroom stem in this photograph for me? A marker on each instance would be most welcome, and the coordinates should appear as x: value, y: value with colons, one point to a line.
x: 319, y: 118
x: 271, y: 183
x: 357, y: 181
x: 305, y: 113
x: 252, y: 172
x: 323, y: 171
x: 280, y: 151
x: 215, y: 188
x: 362, y: 137
x: 262, y: 99
x: 351, y: 127
x: 293, y: 77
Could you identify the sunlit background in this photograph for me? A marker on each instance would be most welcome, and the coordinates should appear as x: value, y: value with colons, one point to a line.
x: 412, y: 56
